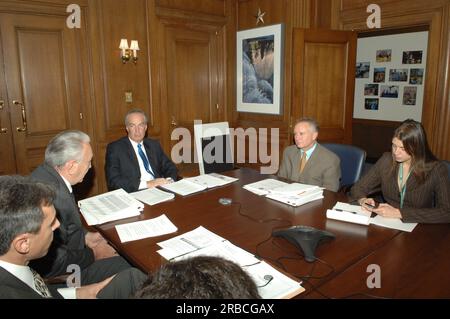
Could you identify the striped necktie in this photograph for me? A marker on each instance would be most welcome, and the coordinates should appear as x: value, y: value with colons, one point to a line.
x: 145, y: 160
x: 40, y: 285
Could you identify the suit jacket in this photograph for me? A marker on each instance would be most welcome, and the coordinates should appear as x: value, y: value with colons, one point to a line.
x: 12, y: 287
x: 68, y: 246
x: 322, y: 168
x: 122, y: 166
x: 427, y: 202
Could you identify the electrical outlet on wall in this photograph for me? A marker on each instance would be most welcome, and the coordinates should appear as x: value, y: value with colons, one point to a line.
x: 129, y: 97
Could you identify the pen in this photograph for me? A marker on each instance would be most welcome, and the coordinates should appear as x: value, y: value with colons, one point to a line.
x: 344, y: 211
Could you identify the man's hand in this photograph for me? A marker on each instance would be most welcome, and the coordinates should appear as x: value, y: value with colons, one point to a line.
x: 104, y: 250
x: 157, y: 182
x: 91, y: 291
x: 387, y: 210
x: 93, y: 239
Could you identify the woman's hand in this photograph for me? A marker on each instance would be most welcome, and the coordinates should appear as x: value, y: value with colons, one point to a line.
x: 388, y: 211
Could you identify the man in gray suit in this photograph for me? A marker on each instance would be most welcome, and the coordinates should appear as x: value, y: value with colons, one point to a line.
x: 67, y: 159
x: 307, y: 161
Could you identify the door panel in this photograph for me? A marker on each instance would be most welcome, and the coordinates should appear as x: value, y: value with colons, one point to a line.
x: 7, y: 159
x: 194, y: 65
x: 44, y: 78
x: 323, y: 80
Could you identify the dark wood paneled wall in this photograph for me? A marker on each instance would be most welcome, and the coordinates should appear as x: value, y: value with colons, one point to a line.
x: 155, y: 23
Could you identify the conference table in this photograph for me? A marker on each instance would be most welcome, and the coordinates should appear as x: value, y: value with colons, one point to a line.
x: 411, y: 265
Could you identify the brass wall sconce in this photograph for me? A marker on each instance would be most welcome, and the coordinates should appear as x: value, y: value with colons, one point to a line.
x: 128, y: 52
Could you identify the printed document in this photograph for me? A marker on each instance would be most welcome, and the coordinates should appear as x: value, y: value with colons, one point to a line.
x: 209, y: 181
x: 349, y: 213
x: 265, y: 186
x: 271, y: 283
x: 299, y: 199
x: 394, y: 223
x: 184, y: 187
x: 226, y: 250
x: 110, y: 206
x: 147, y: 228
x: 225, y: 178
x: 188, y: 242
x: 152, y: 196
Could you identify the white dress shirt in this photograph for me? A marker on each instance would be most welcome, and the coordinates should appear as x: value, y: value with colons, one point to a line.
x: 24, y: 274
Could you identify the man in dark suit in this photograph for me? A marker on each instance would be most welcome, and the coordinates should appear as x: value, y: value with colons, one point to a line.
x: 135, y: 162
x: 307, y: 161
x: 28, y: 220
x: 67, y: 159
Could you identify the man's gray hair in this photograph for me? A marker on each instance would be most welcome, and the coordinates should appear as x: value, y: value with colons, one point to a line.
x: 133, y: 111
x: 66, y: 146
x: 312, y: 123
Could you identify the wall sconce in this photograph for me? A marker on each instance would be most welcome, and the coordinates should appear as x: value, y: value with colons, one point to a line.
x: 128, y: 52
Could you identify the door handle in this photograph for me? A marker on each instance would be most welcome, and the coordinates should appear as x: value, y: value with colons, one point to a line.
x: 24, y: 117
x: 3, y: 130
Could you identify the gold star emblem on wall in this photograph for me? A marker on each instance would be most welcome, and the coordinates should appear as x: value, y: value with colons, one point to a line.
x: 259, y: 16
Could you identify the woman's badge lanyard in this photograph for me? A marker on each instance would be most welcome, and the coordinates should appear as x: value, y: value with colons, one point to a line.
x: 403, y: 187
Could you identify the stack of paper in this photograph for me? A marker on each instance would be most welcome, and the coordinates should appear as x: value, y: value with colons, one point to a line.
x: 110, y: 206
x: 202, y: 242
x: 152, y: 196
x: 199, y: 183
x: 188, y: 242
x: 349, y: 213
x: 146, y: 228
x: 265, y: 186
x: 296, y: 194
x: 211, y: 180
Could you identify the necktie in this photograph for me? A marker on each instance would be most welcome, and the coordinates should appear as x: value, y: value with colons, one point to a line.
x: 303, y: 161
x: 40, y: 285
x: 145, y: 160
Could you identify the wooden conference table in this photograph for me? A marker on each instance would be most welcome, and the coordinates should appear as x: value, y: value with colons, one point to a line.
x: 412, y: 265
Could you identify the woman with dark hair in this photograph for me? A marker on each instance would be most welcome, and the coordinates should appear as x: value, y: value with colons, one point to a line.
x: 413, y: 182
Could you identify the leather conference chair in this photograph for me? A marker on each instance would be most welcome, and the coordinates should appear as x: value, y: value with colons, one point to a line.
x: 352, y: 163
x: 448, y: 168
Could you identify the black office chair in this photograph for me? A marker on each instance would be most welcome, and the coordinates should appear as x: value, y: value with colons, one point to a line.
x: 352, y: 163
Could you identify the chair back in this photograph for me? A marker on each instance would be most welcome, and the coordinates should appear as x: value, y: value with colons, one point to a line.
x: 448, y: 168
x: 352, y: 162
x: 213, y: 147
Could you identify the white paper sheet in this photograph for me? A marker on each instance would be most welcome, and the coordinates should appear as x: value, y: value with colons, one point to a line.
x: 147, y: 228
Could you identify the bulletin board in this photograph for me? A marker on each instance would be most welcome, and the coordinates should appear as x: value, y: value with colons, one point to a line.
x: 390, y: 76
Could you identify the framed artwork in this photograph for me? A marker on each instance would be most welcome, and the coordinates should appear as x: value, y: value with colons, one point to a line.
x: 258, y: 70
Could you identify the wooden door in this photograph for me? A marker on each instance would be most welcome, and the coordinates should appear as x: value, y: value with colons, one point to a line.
x: 43, y: 73
x: 7, y: 159
x: 324, y: 79
x: 195, y: 65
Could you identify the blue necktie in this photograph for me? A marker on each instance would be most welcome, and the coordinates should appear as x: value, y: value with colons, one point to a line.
x: 145, y: 160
